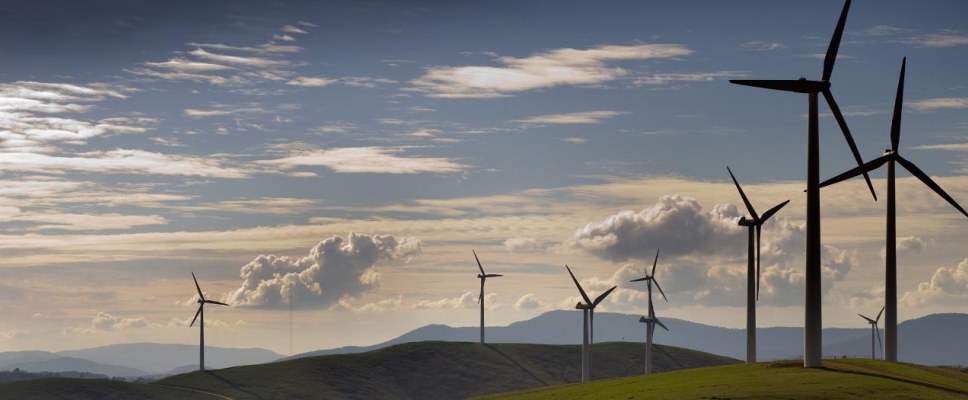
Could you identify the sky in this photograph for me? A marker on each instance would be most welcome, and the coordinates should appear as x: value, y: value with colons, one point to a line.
x: 342, y: 159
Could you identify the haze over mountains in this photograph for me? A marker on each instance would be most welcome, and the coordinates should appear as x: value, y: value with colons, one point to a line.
x: 930, y: 340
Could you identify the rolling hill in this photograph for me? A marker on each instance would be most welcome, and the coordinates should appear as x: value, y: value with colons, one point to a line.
x: 426, y: 370
x: 839, y: 379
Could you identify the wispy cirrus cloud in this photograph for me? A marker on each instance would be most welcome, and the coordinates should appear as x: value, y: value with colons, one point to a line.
x: 938, y: 103
x: 373, y: 160
x: 358, y: 81
x: 760, y: 45
x: 548, y: 69
x: 121, y: 161
x: 585, y: 117
x: 660, y: 79
x: 944, y: 38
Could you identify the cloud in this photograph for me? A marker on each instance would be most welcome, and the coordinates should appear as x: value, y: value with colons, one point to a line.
x: 906, y: 245
x: 121, y: 161
x: 467, y: 300
x: 548, y: 69
x: 294, y: 29
x: 945, y: 38
x: 265, y: 205
x: 284, y: 38
x: 948, y: 286
x: 759, y: 45
x: 182, y: 65
x: 938, y: 104
x: 946, y: 147
x: 265, y: 48
x: 575, y: 140
x: 380, y: 306
x: 879, y: 30
x: 12, y: 334
x: 335, y: 270
x: 375, y: 160
x: 104, y: 322
x: 312, y: 81
x: 529, y: 302
x: 358, y: 81
x: 237, y: 60
x: 675, y: 224
x: 586, y: 117
x: 661, y: 79
x: 521, y: 244
x: 82, y: 222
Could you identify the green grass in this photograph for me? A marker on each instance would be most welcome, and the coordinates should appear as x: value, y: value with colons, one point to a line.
x: 840, y: 379
x: 69, y: 388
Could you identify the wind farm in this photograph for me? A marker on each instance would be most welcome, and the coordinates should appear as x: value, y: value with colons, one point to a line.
x: 350, y: 154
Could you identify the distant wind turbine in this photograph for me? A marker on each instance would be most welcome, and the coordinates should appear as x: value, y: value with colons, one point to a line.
x: 873, y: 323
x: 201, y: 324
x: 890, y: 258
x: 755, y: 223
x: 652, y: 320
x: 588, y: 318
x: 480, y: 299
x: 813, y: 316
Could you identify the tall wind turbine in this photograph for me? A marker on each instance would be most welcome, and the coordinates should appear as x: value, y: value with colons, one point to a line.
x: 890, y: 157
x: 201, y: 324
x: 755, y: 223
x: 588, y: 317
x: 652, y: 320
x: 874, y: 330
x: 813, y: 320
x: 480, y: 299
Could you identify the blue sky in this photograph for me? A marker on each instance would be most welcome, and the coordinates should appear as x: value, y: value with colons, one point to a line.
x: 141, y: 141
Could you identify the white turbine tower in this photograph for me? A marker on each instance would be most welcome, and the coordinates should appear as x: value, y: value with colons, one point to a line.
x: 652, y: 320
x: 480, y: 299
x: 875, y: 331
x: 588, y: 321
x: 201, y: 324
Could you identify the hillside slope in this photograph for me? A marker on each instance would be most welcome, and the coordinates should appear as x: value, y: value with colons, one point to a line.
x: 434, y: 370
x: 840, y: 379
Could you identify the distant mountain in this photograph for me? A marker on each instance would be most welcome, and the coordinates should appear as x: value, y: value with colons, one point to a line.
x: 434, y: 370
x: 133, y: 359
x: 931, y: 340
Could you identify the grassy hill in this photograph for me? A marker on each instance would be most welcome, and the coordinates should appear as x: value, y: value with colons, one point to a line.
x: 840, y: 379
x: 69, y: 388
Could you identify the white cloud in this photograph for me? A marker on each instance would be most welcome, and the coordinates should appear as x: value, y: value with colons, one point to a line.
x: 948, y: 286
x: 946, y: 147
x: 104, y: 322
x: 586, y: 117
x: 335, y: 270
x: 121, y: 161
x: 380, y: 306
x: 879, y: 30
x: 266, y: 48
x: 759, y: 45
x: 284, y: 38
x: 180, y: 64
x: 661, y: 79
x: 467, y: 300
x: 939, y: 39
x: 83, y: 222
x: 529, y: 302
x: 312, y: 81
x: 907, y: 245
x: 541, y: 70
x: 575, y: 140
x: 12, y: 333
x: 266, y: 205
x: 938, y: 104
x: 376, y: 160
x: 521, y: 244
x: 358, y: 81
x: 237, y: 60
x: 294, y: 29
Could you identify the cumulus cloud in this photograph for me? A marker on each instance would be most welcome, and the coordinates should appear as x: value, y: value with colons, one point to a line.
x: 529, y: 302
x: 676, y: 224
x: 467, y: 300
x: 380, y: 306
x: 586, y: 117
x: 104, y: 322
x: 13, y: 333
x: 907, y: 245
x: 521, y: 244
x: 541, y: 70
x: 335, y: 269
x: 948, y: 286
x: 374, y: 160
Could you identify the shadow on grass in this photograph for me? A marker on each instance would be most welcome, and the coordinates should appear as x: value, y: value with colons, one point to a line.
x: 669, y: 356
x: 899, y: 379
x: 532, y: 375
x: 232, y: 384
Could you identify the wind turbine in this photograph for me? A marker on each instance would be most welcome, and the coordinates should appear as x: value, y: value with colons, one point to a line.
x: 813, y: 317
x: 874, y: 329
x: 755, y: 223
x: 652, y: 320
x: 480, y: 298
x: 201, y: 324
x: 588, y: 317
x: 890, y: 157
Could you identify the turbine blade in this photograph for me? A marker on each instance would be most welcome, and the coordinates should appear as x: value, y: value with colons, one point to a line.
x: 850, y: 139
x: 927, y: 181
x: 898, y: 105
x: 481, y: 297
x: 758, y: 229
x: 831, y: 57
x: 656, y: 320
x: 879, y: 342
x: 769, y: 213
x: 200, y: 295
x: 478, y: 262
x: 603, y: 296
x: 580, y: 290
x: 640, y: 279
x: 492, y: 275
x: 788, y: 85
x: 660, y: 289
x: 749, y: 207
x: 868, y: 319
x: 216, y: 302
x: 651, y: 309
x: 879, y: 315
x: 656, y: 261
x: 867, y: 167
x: 643, y: 319
x: 196, y: 316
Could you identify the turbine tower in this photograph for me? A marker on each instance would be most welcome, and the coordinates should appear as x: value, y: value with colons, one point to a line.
x: 891, y: 157
x: 588, y: 318
x: 755, y: 223
x: 652, y: 320
x: 874, y: 330
x: 813, y: 319
x: 201, y: 324
x: 480, y: 299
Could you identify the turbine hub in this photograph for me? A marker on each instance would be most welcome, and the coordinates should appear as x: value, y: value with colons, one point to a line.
x: 888, y: 151
x: 199, y: 301
x: 480, y: 276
